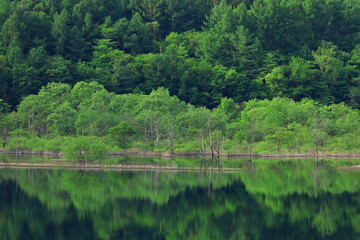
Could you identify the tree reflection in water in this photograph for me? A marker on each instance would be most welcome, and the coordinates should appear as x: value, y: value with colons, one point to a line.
x: 281, y: 200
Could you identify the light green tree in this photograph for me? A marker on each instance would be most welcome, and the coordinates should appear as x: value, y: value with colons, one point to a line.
x: 121, y: 133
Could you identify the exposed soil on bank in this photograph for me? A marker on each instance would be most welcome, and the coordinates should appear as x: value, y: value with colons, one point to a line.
x: 118, y: 167
x: 131, y: 166
x: 350, y: 168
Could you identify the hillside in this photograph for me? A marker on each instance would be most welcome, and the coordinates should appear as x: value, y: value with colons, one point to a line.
x: 200, y: 50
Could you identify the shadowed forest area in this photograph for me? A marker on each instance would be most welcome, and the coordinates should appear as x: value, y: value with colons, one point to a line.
x: 264, y: 76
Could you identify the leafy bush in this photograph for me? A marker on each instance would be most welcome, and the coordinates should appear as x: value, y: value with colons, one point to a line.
x: 56, y: 144
x: 192, y: 146
x: 232, y: 147
x: 85, y: 149
x: 122, y: 133
x: 19, y: 140
x: 265, y: 147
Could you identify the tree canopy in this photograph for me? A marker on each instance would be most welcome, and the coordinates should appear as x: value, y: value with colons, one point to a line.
x: 200, y: 50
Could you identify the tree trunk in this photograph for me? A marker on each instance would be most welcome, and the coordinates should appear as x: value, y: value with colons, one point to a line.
x: 145, y: 129
x: 172, y: 142
x: 157, y: 136
x: 315, y: 137
x: 211, y: 142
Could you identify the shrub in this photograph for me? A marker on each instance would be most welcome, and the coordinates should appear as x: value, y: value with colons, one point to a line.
x: 85, y: 149
x: 191, y: 146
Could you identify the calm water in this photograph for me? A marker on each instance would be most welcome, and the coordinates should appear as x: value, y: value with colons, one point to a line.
x: 275, y: 199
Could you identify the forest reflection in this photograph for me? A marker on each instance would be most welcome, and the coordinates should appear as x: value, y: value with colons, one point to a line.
x: 278, y: 200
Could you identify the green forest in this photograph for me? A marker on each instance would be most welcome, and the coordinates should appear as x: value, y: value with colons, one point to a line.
x: 261, y: 76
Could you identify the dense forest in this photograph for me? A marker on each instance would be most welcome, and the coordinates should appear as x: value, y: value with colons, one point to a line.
x: 201, y: 50
x: 267, y: 75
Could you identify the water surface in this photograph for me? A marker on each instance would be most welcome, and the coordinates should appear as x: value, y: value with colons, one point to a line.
x: 275, y: 199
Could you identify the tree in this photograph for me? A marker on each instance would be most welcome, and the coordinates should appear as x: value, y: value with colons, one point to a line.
x: 250, y: 129
x: 159, y: 107
x: 29, y: 75
x: 60, y: 31
x: 230, y: 109
x: 207, y: 128
x: 103, y: 60
x: 298, y: 136
x: 122, y: 133
x: 319, y: 123
x: 296, y: 80
x: 227, y: 41
x: 62, y: 120
x: 35, y: 109
x: 281, y: 25
x: 11, y: 35
x: 6, y: 126
x: 181, y: 16
x: 280, y: 137
x: 77, y: 45
x: 138, y: 40
x: 335, y: 74
x: 354, y: 92
x: 5, y: 79
x: 125, y: 74
x: 94, y: 115
x: 82, y: 93
x: 227, y: 82
x: 59, y: 70
x: 4, y: 107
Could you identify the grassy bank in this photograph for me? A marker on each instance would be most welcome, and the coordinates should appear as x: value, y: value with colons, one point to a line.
x: 100, y: 147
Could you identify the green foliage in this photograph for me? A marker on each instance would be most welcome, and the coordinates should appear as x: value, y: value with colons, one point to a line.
x: 6, y: 126
x: 161, y: 122
x: 190, y: 146
x: 121, y: 133
x: 200, y: 50
x: 296, y: 80
x: 62, y: 120
x: 85, y: 149
x: 63, y: 63
x: 3, y: 107
x: 282, y: 124
x: 19, y: 140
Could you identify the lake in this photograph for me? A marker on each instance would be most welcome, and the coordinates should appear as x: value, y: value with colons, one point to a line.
x: 269, y: 199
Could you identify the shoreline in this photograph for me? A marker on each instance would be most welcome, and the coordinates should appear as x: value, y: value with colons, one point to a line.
x: 194, y: 154
x: 129, y: 167
x: 114, y: 167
